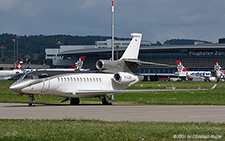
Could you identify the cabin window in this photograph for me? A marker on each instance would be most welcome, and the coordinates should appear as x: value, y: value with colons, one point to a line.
x: 77, y: 79
x: 93, y: 79
x: 90, y: 79
x: 65, y: 79
x: 71, y: 79
x: 74, y: 79
x: 100, y: 80
x: 80, y: 79
x: 87, y: 79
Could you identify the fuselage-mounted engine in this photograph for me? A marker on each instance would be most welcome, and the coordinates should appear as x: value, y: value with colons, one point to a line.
x: 127, y: 78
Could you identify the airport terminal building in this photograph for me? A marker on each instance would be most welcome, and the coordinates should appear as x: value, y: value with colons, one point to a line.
x: 197, y: 57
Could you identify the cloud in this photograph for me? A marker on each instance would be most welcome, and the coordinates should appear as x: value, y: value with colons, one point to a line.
x: 92, y: 3
x: 174, y: 35
x: 7, y: 4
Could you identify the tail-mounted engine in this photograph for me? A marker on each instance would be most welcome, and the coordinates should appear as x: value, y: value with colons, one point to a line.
x: 126, y: 78
x: 110, y: 65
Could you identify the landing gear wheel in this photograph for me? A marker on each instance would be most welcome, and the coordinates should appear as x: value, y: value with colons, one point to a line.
x: 74, y: 101
x: 106, y: 100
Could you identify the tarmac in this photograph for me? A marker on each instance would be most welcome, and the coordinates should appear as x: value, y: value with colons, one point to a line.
x: 149, y: 113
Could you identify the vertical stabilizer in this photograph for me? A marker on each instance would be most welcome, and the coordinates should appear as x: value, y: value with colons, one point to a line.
x: 79, y: 63
x: 180, y: 67
x: 217, y: 67
x: 19, y: 66
x: 132, y: 50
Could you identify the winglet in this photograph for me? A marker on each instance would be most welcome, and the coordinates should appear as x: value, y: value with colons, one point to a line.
x: 79, y: 63
x: 214, y: 86
x: 132, y: 50
x: 19, y: 66
x: 180, y: 67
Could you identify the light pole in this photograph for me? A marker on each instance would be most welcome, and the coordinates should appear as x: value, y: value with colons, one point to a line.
x: 14, y: 43
x: 2, y: 47
x: 112, y: 29
x: 17, y: 37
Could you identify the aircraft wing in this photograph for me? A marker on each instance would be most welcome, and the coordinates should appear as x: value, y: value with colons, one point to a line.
x: 110, y: 92
x: 150, y: 63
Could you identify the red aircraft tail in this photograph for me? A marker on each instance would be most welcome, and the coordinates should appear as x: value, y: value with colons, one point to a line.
x: 79, y: 63
x: 218, y: 67
x: 19, y: 66
x: 180, y: 67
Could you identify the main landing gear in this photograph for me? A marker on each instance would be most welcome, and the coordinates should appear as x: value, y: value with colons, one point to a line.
x: 74, y: 101
x: 106, y: 100
x: 31, y: 100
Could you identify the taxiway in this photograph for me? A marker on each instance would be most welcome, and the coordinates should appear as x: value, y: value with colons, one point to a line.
x: 156, y: 113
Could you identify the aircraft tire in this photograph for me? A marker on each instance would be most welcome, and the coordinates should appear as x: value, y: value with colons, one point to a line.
x: 74, y: 101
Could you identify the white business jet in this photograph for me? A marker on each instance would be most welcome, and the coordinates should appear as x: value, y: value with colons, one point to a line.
x: 10, y: 74
x: 114, y: 76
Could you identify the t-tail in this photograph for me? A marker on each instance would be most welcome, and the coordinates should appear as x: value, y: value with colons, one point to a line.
x: 129, y: 60
x: 217, y: 67
x: 19, y: 66
x: 132, y: 50
x: 79, y: 63
x: 180, y: 67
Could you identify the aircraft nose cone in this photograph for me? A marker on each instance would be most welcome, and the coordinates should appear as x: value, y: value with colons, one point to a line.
x: 15, y: 88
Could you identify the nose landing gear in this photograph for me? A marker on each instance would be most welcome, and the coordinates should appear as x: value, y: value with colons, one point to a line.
x: 31, y: 100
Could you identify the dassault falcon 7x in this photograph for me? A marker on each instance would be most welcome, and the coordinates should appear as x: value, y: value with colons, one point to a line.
x: 114, y: 76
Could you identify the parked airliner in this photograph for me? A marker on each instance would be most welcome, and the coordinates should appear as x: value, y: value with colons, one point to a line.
x: 183, y: 73
x: 10, y: 74
x: 77, y: 66
x: 114, y: 76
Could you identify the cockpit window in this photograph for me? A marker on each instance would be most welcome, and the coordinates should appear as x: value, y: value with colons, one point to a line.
x: 43, y: 75
x: 31, y: 77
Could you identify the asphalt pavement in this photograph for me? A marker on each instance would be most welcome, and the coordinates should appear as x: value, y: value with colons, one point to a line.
x: 156, y: 113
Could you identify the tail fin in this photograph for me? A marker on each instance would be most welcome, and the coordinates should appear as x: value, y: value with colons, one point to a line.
x: 180, y: 67
x: 19, y: 66
x: 79, y: 63
x: 217, y: 67
x: 132, y: 50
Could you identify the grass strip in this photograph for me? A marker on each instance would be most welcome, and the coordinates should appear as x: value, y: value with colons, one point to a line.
x: 69, y: 129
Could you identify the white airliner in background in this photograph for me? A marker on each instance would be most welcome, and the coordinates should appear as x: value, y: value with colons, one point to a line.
x: 114, y: 76
x: 10, y: 74
x: 77, y: 66
x: 184, y: 74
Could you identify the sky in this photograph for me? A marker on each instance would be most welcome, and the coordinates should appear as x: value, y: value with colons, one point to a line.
x: 157, y: 20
